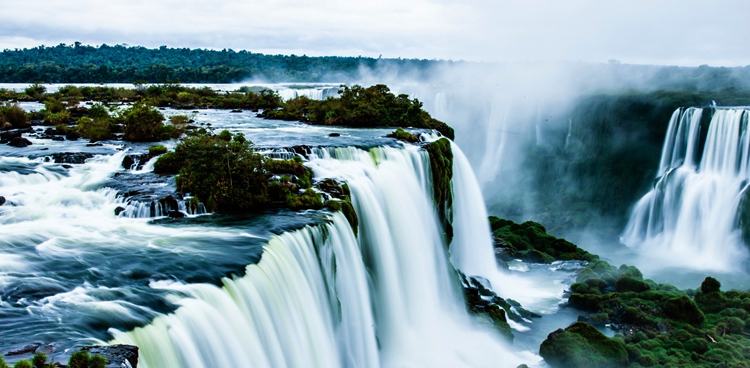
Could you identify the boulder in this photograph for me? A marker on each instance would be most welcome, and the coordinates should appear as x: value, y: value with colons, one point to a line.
x: 71, y: 157
x: 582, y: 345
x: 119, y: 210
x: 2, y: 200
x: 334, y: 135
x: 19, y: 142
x: 683, y: 309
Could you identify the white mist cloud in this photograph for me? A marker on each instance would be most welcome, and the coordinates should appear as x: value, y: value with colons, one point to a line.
x: 682, y: 32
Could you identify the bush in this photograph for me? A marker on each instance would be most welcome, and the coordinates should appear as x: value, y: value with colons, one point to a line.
x: 225, y: 174
x: 22, y: 364
x: 40, y: 360
x: 98, y: 129
x: 14, y: 115
x: 143, y: 123
x: 97, y: 361
x: 79, y: 359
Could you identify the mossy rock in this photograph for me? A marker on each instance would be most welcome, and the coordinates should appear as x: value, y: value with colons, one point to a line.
x: 633, y: 284
x: 582, y: 345
x: 710, y: 285
x: 698, y: 345
x: 683, y: 309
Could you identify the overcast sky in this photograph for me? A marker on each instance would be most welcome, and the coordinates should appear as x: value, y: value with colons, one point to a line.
x: 674, y: 32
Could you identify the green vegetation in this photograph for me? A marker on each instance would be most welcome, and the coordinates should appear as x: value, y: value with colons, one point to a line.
x: 82, y: 359
x: 662, y: 325
x: 79, y: 63
x: 403, y: 135
x: 157, y: 150
x: 223, y: 171
x: 441, y: 165
x: 530, y: 242
x: 581, y: 345
x: 361, y: 107
x: 12, y: 117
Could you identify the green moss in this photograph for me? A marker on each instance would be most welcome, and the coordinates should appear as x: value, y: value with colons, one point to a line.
x: 403, y: 135
x: 530, y: 242
x: 22, y: 364
x: 441, y: 166
x: 633, y: 284
x: 683, y: 309
x: 582, y: 345
x: 157, y: 150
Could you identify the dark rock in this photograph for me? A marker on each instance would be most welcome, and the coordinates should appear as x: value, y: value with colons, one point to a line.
x: 72, y: 135
x: 710, y: 285
x: 175, y: 214
x: 628, y: 283
x: 97, y: 144
x: 236, y: 111
x: 117, y: 355
x: 26, y: 349
x: 334, y: 135
x: 58, y: 138
x: 19, y: 142
x: 2, y: 200
x: 71, y: 157
x: 119, y: 210
x: 6, y: 137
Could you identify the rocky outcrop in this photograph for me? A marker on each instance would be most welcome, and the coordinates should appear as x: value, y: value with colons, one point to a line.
x: 117, y: 355
x: 582, y: 346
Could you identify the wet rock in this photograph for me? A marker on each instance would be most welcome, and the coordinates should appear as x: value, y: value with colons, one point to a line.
x: 117, y: 355
x: 58, y: 138
x: 97, y: 144
x: 19, y: 142
x: 334, y: 135
x: 72, y: 136
x: 175, y: 214
x: 26, y: 349
x: 2, y: 200
x: 119, y: 210
x: 71, y: 157
x: 130, y: 160
x: 236, y: 111
x: 6, y: 137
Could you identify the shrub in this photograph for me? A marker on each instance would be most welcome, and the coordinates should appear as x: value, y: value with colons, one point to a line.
x: 35, y: 91
x: 40, y: 360
x: 97, y: 129
x: 22, y: 364
x: 143, y: 123
x: 225, y: 174
x: 79, y: 359
x: 14, y: 115
x: 97, y: 361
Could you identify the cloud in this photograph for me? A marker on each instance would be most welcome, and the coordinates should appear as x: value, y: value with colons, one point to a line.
x: 681, y: 32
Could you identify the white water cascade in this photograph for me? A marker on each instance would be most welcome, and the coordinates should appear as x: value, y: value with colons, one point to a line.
x: 689, y: 218
x: 323, y: 297
x: 472, y: 251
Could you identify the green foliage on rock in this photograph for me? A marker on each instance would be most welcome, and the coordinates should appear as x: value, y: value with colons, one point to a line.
x: 358, y: 106
x: 403, y: 135
x: 582, y: 345
x: 530, y: 242
x: 441, y: 166
x: 662, y: 325
x: 224, y: 171
x: 142, y: 123
x: 12, y: 116
x: 157, y: 150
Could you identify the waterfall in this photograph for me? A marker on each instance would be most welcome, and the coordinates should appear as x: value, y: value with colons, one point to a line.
x: 689, y: 218
x: 472, y: 250
x: 323, y: 297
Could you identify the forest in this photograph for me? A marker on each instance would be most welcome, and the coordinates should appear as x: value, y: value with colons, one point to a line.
x: 79, y: 63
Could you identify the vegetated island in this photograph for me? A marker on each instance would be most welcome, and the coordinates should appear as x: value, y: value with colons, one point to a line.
x: 656, y: 325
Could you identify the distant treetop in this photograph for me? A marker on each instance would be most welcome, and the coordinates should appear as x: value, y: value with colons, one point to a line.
x: 79, y: 63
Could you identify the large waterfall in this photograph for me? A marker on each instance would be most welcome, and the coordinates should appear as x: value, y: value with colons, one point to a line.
x: 323, y: 297
x: 690, y: 217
